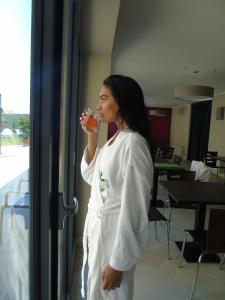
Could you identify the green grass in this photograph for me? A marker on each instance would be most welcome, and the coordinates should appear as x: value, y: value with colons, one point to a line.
x: 11, y: 140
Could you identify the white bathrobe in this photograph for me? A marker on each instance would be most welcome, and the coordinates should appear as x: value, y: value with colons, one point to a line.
x: 116, y: 226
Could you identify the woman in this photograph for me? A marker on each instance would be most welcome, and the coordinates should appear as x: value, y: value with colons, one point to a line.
x: 120, y: 175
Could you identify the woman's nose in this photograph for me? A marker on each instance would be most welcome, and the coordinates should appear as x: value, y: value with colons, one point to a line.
x: 99, y: 107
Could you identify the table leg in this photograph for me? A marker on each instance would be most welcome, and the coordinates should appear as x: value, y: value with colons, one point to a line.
x: 155, y: 188
x: 200, y: 213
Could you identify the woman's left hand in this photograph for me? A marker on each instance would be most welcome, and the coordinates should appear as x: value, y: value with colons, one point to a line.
x: 111, y: 278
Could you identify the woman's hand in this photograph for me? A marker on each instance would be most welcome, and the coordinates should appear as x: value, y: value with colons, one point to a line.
x: 111, y: 278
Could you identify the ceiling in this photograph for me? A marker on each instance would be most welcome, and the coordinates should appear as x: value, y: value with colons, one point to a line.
x: 160, y: 43
x: 98, y: 25
x: 163, y: 44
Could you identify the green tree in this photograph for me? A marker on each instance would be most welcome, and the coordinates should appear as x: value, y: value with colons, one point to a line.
x: 24, y: 127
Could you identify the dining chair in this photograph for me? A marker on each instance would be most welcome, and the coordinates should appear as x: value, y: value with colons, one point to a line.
x: 155, y: 151
x: 209, y: 241
x: 177, y: 159
x: 210, y: 158
x: 182, y: 175
x: 154, y: 215
x: 211, y: 161
x: 167, y: 153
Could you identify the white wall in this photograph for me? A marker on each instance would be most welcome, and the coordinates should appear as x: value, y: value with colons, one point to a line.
x: 180, y: 127
x: 94, y: 69
x: 217, y: 128
x: 179, y: 133
x: 98, y: 22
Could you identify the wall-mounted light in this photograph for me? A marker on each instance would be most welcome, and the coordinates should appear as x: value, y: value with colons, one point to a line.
x: 220, y: 113
x: 194, y: 93
x: 157, y: 113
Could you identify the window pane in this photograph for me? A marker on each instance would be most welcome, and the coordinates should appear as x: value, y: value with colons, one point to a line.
x: 15, y: 36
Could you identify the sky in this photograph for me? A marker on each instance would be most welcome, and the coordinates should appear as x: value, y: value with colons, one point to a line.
x: 15, y: 44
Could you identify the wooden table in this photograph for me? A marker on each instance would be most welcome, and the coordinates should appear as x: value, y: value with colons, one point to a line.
x: 161, y: 165
x: 201, y: 194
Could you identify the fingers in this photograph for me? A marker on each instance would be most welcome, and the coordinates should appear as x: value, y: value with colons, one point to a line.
x: 103, y: 279
x: 109, y: 285
x: 83, y: 115
x: 111, y: 278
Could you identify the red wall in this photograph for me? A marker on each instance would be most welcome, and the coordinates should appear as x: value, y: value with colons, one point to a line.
x: 159, y: 125
x: 112, y: 129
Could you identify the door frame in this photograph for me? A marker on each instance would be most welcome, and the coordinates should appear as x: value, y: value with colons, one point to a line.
x: 70, y: 93
x: 45, y: 103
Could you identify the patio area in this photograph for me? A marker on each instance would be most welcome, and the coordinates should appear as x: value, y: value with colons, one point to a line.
x: 14, y: 223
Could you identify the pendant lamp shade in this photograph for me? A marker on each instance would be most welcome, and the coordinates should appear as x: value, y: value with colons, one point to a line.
x: 194, y: 93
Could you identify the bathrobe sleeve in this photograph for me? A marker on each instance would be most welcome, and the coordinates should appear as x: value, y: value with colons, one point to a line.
x: 132, y: 230
x: 87, y: 170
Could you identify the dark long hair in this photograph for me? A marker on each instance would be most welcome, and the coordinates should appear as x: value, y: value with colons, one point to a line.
x: 130, y: 99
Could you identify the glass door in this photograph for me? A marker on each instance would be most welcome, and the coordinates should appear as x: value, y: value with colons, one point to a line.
x: 54, y: 94
x: 39, y: 72
x: 15, y: 53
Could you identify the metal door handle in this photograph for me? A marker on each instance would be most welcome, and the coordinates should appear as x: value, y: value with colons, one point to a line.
x: 65, y: 210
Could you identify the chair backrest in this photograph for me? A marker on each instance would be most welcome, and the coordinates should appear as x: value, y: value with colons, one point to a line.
x: 154, y: 148
x: 167, y: 153
x: 202, y: 172
x: 216, y: 231
x: 177, y: 159
x: 155, y: 151
x: 210, y: 159
x: 181, y: 175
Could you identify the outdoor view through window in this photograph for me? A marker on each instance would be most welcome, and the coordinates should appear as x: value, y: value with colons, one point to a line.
x: 15, y: 37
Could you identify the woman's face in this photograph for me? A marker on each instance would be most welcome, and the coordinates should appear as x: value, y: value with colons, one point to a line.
x: 107, y: 106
